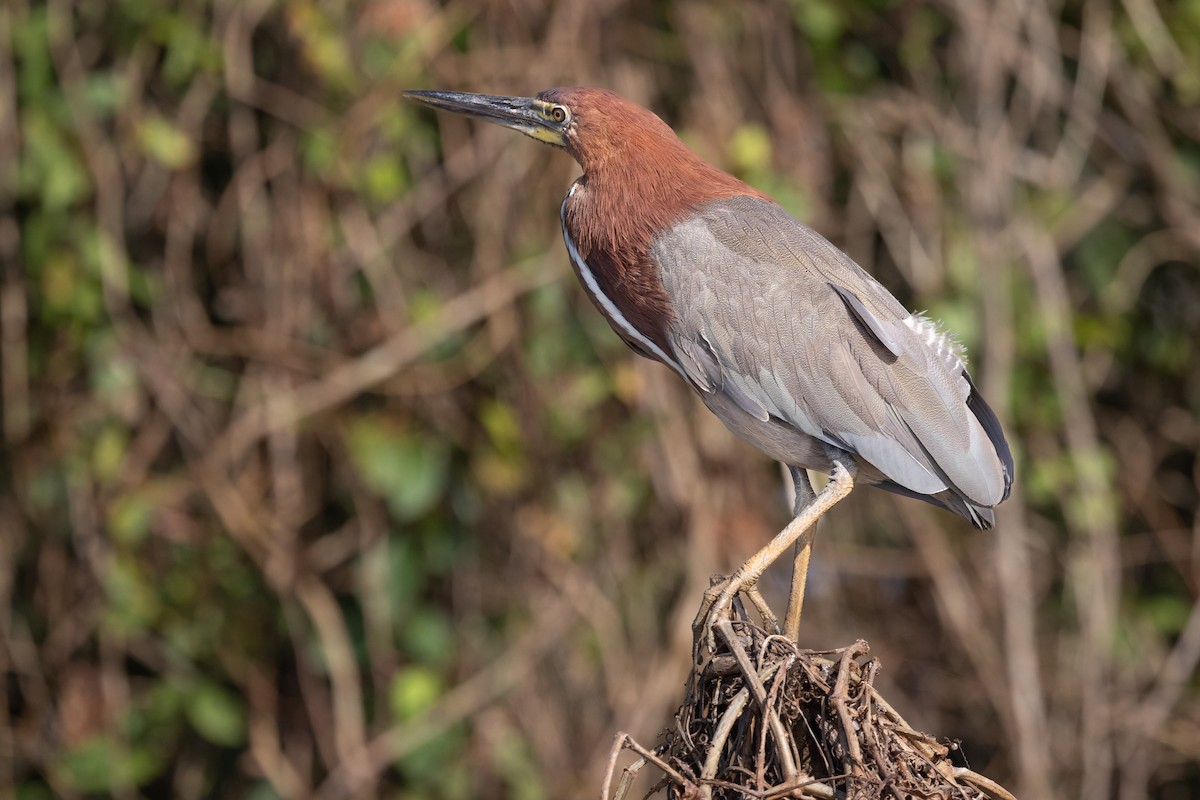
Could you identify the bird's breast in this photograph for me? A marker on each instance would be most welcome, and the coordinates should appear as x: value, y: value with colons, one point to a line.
x: 610, y: 257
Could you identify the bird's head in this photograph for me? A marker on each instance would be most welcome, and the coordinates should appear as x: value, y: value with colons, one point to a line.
x: 593, y: 125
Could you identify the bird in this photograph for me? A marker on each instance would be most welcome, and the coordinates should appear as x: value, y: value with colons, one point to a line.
x: 795, y: 347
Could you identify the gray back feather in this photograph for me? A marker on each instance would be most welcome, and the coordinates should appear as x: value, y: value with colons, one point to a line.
x: 784, y: 324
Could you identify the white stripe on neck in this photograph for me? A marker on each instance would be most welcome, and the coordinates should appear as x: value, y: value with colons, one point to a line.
x: 610, y: 308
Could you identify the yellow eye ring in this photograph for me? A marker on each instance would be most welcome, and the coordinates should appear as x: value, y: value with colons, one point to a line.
x: 558, y: 114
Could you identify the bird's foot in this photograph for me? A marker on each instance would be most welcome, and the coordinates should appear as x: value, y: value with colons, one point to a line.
x: 717, y: 605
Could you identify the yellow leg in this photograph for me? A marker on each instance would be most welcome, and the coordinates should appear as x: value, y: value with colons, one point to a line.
x: 804, y: 497
x: 719, y: 597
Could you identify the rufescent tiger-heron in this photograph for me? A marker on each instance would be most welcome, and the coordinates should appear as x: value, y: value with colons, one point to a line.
x: 787, y: 340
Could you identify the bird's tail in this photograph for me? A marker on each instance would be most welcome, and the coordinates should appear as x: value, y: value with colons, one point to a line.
x: 982, y: 517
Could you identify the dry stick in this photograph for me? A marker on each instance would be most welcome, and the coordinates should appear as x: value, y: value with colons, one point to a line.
x: 1096, y: 59
x: 787, y: 763
x: 984, y: 784
x: 926, y: 748
x: 629, y: 742
x: 814, y: 675
x: 465, y: 699
x: 1155, y: 708
x: 725, y: 628
x: 933, y: 753
x: 877, y: 754
x: 993, y: 179
x: 263, y: 737
x: 378, y: 364
x: 1094, y: 558
x: 1156, y: 35
x: 760, y: 766
x: 627, y: 776
x: 732, y: 713
x: 810, y: 787
x: 840, y: 695
x: 623, y: 788
x: 349, y: 728
x: 779, y: 639
x: 958, y: 605
x: 779, y: 680
x: 934, y: 756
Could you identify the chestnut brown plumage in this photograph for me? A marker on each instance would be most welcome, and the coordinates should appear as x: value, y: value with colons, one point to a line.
x: 638, y: 180
x: 790, y: 343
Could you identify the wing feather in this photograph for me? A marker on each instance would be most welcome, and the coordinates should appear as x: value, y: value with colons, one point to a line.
x: 872, y: 323
x: 791, y: 327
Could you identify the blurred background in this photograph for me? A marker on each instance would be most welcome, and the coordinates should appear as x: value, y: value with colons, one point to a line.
x: 322, y: 478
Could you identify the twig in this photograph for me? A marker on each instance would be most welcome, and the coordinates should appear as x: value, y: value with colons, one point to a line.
x: 627, y: 776
x: 840, y: 696
x: 613, y: 754
x: 345, y: 382
x: 871, y: 734
x: 787, y: 763
x: 986, y: 784
x: 807, y: 788
x: 624, y: 741
x: 467, y: 698
x: 732, y: 713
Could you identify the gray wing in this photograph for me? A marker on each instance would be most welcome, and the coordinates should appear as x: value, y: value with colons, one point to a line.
x: 788, y: 327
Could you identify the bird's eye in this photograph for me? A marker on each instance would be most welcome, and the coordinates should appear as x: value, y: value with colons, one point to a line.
x: 558, y: 114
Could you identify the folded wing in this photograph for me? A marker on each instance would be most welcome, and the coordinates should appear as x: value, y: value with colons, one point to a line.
x: 789, y: 328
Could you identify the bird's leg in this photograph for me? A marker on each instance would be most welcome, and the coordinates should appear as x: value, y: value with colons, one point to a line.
x: 719, y: 597
x: 760, y: 605
x: 804, y: 497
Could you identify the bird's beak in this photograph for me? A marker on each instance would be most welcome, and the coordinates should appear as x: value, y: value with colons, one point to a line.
x: 528, y: 115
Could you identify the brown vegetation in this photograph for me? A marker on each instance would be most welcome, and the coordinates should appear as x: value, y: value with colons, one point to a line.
x: 322, y: 478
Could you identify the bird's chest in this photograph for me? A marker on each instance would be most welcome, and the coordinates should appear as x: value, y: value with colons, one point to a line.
x: 609, y: 252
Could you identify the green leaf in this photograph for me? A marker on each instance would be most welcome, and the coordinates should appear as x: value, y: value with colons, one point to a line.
x: 318, y: 151
x: 409, y: 471
x: 101, y: 764
x: 108, y: 453
x: 513, y: 760
x: 500, y: 421
x: 52, y: 170
x: 165, y: 143
x: 438, y: 768
x: 1168, y: 614
x: 820, y: 19
x: 104, y: 93
x: 133, y: 603
x: 217, y: 715
x: 413, y: 691
x: 750, y: 148
x: 262, y: 791
x: 322, y: 42
x: 129, y: 517
x: 429, y: 636
x: 70, y: 294
x: 919, y: 35
x: 33, y: 791
x: 384, y: 179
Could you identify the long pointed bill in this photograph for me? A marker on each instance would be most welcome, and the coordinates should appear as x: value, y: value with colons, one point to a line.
x: 529, y: 115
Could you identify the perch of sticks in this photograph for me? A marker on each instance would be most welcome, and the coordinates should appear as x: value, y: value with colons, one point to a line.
x: 764, y: 719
